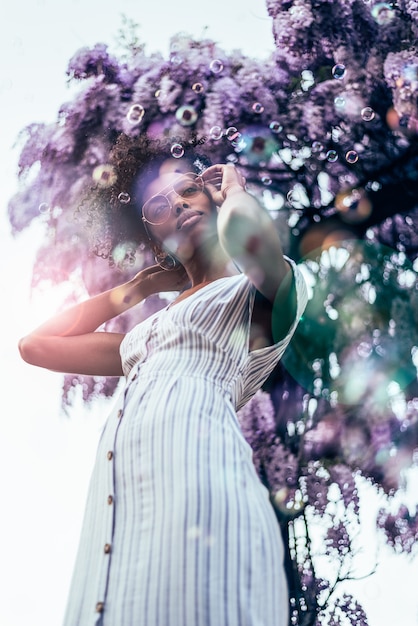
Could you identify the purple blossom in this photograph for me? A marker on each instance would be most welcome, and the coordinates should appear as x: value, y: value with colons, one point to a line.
x: 94, y: 61
x: 344, y: 477
x: 315, y: 484
x: 337, y: 540
x: 400, y: 529
x: 298, y: 452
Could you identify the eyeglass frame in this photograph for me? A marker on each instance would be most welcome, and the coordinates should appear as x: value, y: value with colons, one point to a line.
x: 165, y: 196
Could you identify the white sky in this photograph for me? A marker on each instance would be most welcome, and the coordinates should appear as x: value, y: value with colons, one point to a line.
x: 46, y: 458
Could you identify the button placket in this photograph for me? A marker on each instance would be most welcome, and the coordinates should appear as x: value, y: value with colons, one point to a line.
x: 109, y: 512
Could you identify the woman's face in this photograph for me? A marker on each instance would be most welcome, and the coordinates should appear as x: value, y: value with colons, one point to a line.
x: 189, y: 219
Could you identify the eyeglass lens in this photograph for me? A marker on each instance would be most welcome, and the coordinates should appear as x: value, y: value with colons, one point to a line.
x: 158, y: 208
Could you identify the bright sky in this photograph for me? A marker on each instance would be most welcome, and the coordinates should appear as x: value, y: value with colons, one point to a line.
x: 46, y: 457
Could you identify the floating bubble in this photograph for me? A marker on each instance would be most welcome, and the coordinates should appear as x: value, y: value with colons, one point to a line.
x: 354, y: 205
x: 198, y: 88
x: 339, y: 102
x: 124, y: 197
x: 216, y: 66
x: 351, y: 156
x: 275, y: 127
x: 135, y: 114
x: 364, y: 349
x: 317, y: 146
x: 44, y: 208
x: 238, y: 141
x: 266, y: 180
x: 293, y: 197
x: 176, y: 59
x: 332, y: 156
x: 232, y: 133
x: 186, y: 115
x: 339, y: 71
x: 383, y: 13
x: 123, y: 254
x: 257, y: 108
x: 216, y: 132
x: 177, y: 150
x: 368, y: 114
x: 104, y: 175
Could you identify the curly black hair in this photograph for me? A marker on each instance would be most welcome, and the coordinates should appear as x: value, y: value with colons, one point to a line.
x: 111, y: 207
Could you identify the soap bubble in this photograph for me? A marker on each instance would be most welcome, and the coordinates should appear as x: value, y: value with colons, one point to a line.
x: 332, y: 156
x: 135, y: 114
x: 351, y: 156
x: 124, y: 197
x: 339, y: 71
x: 294, y: 198
x: 44, y: 208
x: 104, y: 175
x: 275, y: 127
x: 232, y: 133
x: 317, y: 146
x: 257, y: 108
x: 383, y: 13
x: 216, y: 132
x: 176, y: 59
x: 198, y: 88
x: 368, y: 114
x: 266, y: 180
x: 339, y: 102
x: 123, y: 255
x: 353, y: 205
x: 186, y: 115
x: 177, y: 150
x: 216, y: 66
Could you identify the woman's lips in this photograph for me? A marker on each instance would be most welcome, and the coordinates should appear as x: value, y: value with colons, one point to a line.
x: 188, y: 219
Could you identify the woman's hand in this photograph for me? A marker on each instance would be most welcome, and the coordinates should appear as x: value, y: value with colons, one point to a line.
x: 221, y: 180
x: 154, y: 279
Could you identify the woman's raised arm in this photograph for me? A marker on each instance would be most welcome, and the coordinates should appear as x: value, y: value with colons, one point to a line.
x: 68, y: 342
x: 248, y: 235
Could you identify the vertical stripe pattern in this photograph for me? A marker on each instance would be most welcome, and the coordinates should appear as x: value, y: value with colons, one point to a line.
x: 178, y: 529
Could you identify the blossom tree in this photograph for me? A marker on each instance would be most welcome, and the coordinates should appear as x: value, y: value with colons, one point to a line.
x: 325, y: 132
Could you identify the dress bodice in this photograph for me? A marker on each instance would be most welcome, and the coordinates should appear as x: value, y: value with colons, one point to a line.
x: 207, y: 335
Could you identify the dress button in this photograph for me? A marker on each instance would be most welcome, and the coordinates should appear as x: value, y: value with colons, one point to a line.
x: 107, y: 548
x: 110, y: 499
x: 100, y: 607
x: 110, y: 455
x: 120, y: 413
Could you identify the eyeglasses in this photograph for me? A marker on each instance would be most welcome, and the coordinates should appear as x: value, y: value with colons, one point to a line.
x: 157, y: 209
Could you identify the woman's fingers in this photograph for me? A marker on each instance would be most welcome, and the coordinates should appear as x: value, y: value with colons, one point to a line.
x: 218, y: 178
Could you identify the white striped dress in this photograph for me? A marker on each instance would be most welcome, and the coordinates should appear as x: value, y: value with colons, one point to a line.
x: 178, y: 528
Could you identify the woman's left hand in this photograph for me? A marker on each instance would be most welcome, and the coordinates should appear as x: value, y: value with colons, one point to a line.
x: 222, y: 179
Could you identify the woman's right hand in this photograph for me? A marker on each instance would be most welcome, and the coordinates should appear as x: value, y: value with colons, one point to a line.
x: 155, y: 279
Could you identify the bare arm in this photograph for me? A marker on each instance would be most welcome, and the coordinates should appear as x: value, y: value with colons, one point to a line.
x: 68, y: 342
x: 248, y: 235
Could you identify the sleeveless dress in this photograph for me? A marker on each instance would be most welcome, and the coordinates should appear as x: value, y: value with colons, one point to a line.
x: 178, y: 528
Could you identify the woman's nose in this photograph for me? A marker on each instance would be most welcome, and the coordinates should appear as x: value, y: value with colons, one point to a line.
x: 180, y: 205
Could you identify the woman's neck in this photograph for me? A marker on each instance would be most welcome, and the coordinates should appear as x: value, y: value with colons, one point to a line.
x: 208, y: 265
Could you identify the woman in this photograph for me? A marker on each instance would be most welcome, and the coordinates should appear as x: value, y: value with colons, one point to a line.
x: 178, y: 529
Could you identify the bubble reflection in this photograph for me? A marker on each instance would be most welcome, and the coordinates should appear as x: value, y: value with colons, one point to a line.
x: 177, y: 150
x: 368, y: 114
x: 216, y: 66
x: 135, y: 114
x: 104, y: 175
x: 186, y: 115
x: 124, y: 197
x: 339, y: 71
